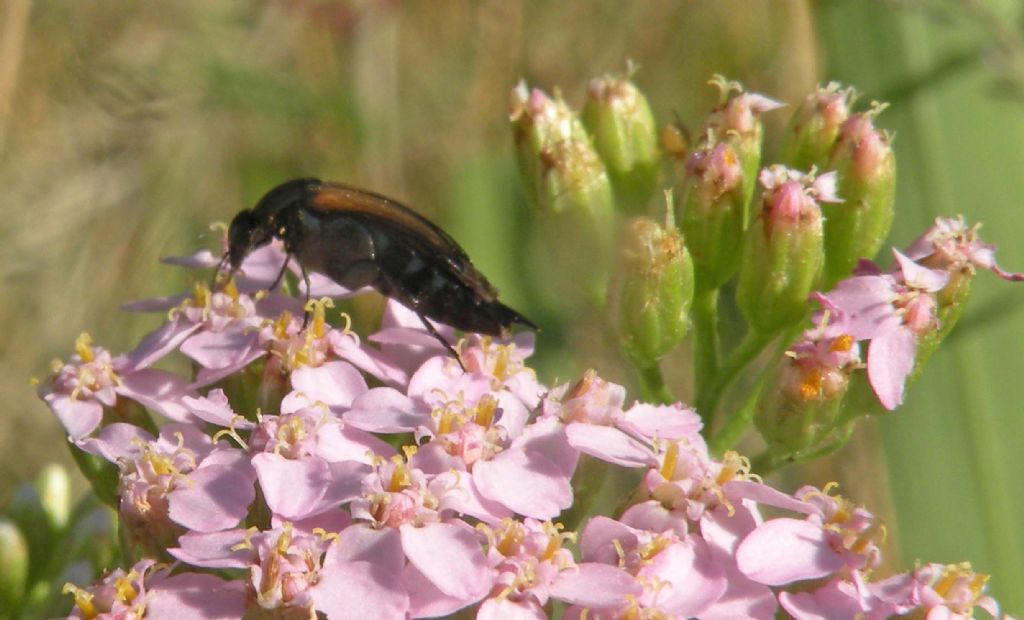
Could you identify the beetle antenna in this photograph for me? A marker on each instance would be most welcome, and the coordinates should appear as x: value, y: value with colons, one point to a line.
x: 436, y: 334
x: 217, y: 271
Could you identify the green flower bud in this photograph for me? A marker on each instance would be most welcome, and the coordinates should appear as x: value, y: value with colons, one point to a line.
x: 656, y: 293
x: 815, y: 126
x: 625, y: 135
x: 783, y: 252
x: 567, y: 182
x: 712, y: 214
x: 14, y: 564
x: 857, y: 228
x: 560, y: 167
x: 737, y: 121
x: 54, y: 488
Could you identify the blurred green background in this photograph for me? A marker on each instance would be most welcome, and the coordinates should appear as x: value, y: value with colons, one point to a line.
x: 126, y: 128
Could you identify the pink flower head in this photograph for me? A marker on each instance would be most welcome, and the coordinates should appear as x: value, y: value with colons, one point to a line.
x: 818, y: 366
x: 531, y: 564
x: 147, y: 591
x: 950, y: 245
x: 718, y: 170
x: 595, y: 423
x: 119, y: 594
x: 739, y: 110
x: 792, y: 196
x: 678, y: 574
x: 893, y: 311
x: 953, y: 591
x: 835, y: 535
x: 89, y: 383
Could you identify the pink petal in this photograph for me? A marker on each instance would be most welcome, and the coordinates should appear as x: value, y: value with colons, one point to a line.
x: 213, y: 550
x: 116, y: 441
x: 385, y: 410
x: 450, y: 556
x: 217, y: 498
x: 426, y: 600
x: 206, y: 376
x: 697, y: 580
x: 337, y: 443
x: 601, y: 539
x: 158, y: 390
x: 782, y: 551
x: 217, y: 350
x: 336, y: 384
x: 503, y: 608
x: 158, y: 343
x: 195, y: 596
x: 465, y: 499
x: 360, y: 542
x: 79, y: 417
x: 528, y: 483
x: 918, y: 276
x: 547, y: 437
x: 358, y: 591
x: 292, y: 488
x: 609, y: 444
x: 215, y: 409
x: 661, y: 421
x: 594, y: 585
x: 831, y: 602
x: 890, y: 360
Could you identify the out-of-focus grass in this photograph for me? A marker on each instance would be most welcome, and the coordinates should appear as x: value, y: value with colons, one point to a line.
x: 129, y: 127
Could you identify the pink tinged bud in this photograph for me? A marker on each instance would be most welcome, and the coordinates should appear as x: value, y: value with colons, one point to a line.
x: 624, y: 132
x: 783, y: 253
x: 712, y: 213
x: 565, y: 179
x: 856, y: 229
x: 815, y: 126
x: 737, y: 120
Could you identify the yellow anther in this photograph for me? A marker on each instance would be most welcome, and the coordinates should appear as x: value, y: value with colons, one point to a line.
x: 401, y: 479
x: 83, y: 600
x: 125, y: 588
x: 668, y: 465
x: 83, y: 346
x: 246, y: 540
x: 842, y: 344
x: 231, y: 289
x: 485, y: 410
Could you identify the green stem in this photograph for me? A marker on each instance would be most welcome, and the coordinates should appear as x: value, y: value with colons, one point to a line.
x: 708, y: 397
x: 768, y: 461
x: 652, y: 385
x: 705, y: 348
x: 738, y: 423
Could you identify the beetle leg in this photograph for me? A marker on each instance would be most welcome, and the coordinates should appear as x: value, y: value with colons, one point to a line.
x: 436, y: 334
x: 305, y: 304
x: 280, y: 274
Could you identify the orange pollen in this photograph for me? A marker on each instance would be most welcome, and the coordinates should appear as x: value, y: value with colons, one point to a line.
x: 842, y: 344
x: 810, y: 387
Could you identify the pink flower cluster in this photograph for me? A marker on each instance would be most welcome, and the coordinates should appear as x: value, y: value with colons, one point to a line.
x: 439, y: 488
x: 895, y: 311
